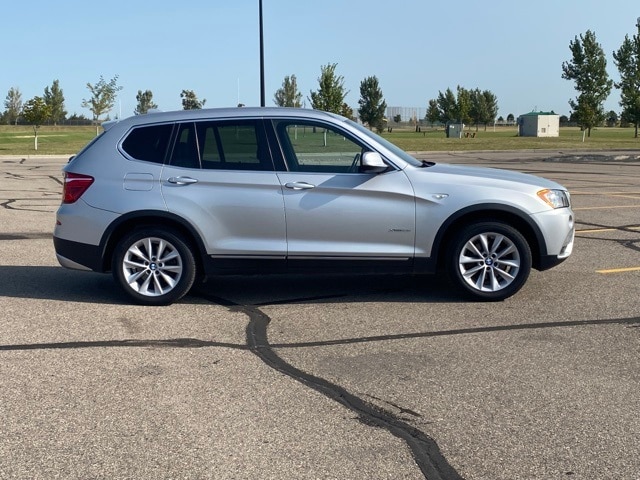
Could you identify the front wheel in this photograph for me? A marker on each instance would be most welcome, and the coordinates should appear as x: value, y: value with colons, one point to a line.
x: 154, y: 267
x: 490, y: 260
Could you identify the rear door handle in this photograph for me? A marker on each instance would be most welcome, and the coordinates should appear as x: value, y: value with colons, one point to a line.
x: 182, y: 180
x: 299, y: 186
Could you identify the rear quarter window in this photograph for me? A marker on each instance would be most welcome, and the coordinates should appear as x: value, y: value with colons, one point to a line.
x: 148, y: 143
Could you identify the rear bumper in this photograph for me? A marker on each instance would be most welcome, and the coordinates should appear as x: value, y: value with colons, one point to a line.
x: 78, y: 256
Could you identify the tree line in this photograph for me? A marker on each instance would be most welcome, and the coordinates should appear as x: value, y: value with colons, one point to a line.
x: 587, y: 68
x: 330, y: 97
x: 471, y: 107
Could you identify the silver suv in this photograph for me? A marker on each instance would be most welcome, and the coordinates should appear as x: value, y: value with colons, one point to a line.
x: 166, y: 199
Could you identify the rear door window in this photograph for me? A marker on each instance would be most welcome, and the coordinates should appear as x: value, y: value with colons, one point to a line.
x: 237, y: 145
x: 221, y: 145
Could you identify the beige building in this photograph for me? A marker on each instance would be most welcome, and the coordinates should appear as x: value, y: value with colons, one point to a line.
x: 539, y: 124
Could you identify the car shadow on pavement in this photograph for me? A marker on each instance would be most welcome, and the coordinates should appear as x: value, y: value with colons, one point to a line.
x: 285, y: 289
x: 57, y: 283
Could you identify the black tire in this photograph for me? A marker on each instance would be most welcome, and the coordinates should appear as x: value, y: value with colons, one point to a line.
x: 153, y: 266
x: 489, y: 260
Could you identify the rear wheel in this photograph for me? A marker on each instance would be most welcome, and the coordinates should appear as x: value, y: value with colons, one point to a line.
x: 489, y: 260
x: 154, y: 267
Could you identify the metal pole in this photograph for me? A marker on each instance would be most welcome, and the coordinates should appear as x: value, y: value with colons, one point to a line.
x: 262, y: 97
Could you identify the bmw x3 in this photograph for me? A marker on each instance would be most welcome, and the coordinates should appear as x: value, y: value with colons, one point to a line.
x: 167, y: 199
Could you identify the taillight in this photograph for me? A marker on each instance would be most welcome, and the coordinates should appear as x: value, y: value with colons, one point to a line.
x: 75, y: 184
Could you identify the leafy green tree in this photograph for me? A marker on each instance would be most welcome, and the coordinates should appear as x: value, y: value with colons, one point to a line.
x: 190, y: 100
x: 103, y: 97
x: 372, y: 104
x: 492, y: 107
x: 36, y: 112
x: 479, y: 108
x: 145, y: 102
x: 433, y: 112
x: 463, y: 101
x: 288, y: 95
x: 54, y: 98
x: 627, y: 59
x: 13, y: 104
x: 346, y: 111
x: 397, y: 118
x: 491, y: 112
x: 447, y: 106
x: 588, y: 68
x: 511, y: 118
x: 331, y: 92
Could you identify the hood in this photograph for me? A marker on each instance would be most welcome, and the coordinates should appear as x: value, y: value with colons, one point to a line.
x: 479, y: 176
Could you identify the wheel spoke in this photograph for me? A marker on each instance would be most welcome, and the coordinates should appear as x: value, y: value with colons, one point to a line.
x: 484, y: 241
x: 465, y: 259
x: 135, y: 276
x: 128, y: 263
x: 509, y: 263
x: 168, y: 279
x: 472, y: 271
x: 497, y: 241
x: 495, y: 284
x: 481, y: 279
x: 471, y: 245
x: 504, y: 274
x: 144, y: 287
x: 510, y: 249
x: 157, y: 285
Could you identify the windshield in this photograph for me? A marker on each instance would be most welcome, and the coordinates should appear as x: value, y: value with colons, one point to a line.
x: 386, y: 144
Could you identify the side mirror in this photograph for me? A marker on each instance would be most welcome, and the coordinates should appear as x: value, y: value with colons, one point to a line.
x: 372, y: 163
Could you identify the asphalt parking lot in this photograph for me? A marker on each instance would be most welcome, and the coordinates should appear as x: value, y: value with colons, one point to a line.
x: 334, y: 377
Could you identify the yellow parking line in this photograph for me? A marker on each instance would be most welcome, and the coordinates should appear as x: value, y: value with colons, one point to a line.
x: 607, y: 208
x: 596, y: 230
x: 605, y: 193
x: 601, y: 230
x: 619, y: 270
x: 619, y: 195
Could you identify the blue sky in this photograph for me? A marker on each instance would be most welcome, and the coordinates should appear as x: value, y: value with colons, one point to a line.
x: 416, y: 48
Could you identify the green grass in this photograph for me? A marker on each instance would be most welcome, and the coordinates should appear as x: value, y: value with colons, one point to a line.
x: 68, y: 140
x: 505, y: 138
x: 61, y: 140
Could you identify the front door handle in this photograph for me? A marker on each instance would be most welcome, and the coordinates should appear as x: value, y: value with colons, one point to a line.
x: 299, y: 186
x: 182, y: 180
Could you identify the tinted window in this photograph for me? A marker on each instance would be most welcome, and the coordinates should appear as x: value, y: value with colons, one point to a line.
x: 315, y: 147
x: 232, y: 146
x: 148, y: 143
x: 185, y: 151
x: 221, y: 145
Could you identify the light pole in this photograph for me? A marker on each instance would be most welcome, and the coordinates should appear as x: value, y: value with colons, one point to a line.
x: 262, y: 99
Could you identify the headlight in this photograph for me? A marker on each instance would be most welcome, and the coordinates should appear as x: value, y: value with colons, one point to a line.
x: 555, y: 198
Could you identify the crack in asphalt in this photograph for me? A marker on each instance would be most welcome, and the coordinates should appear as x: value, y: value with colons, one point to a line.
x: 25, y: 236
x: 631, y: 322
x: 424, y: 449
